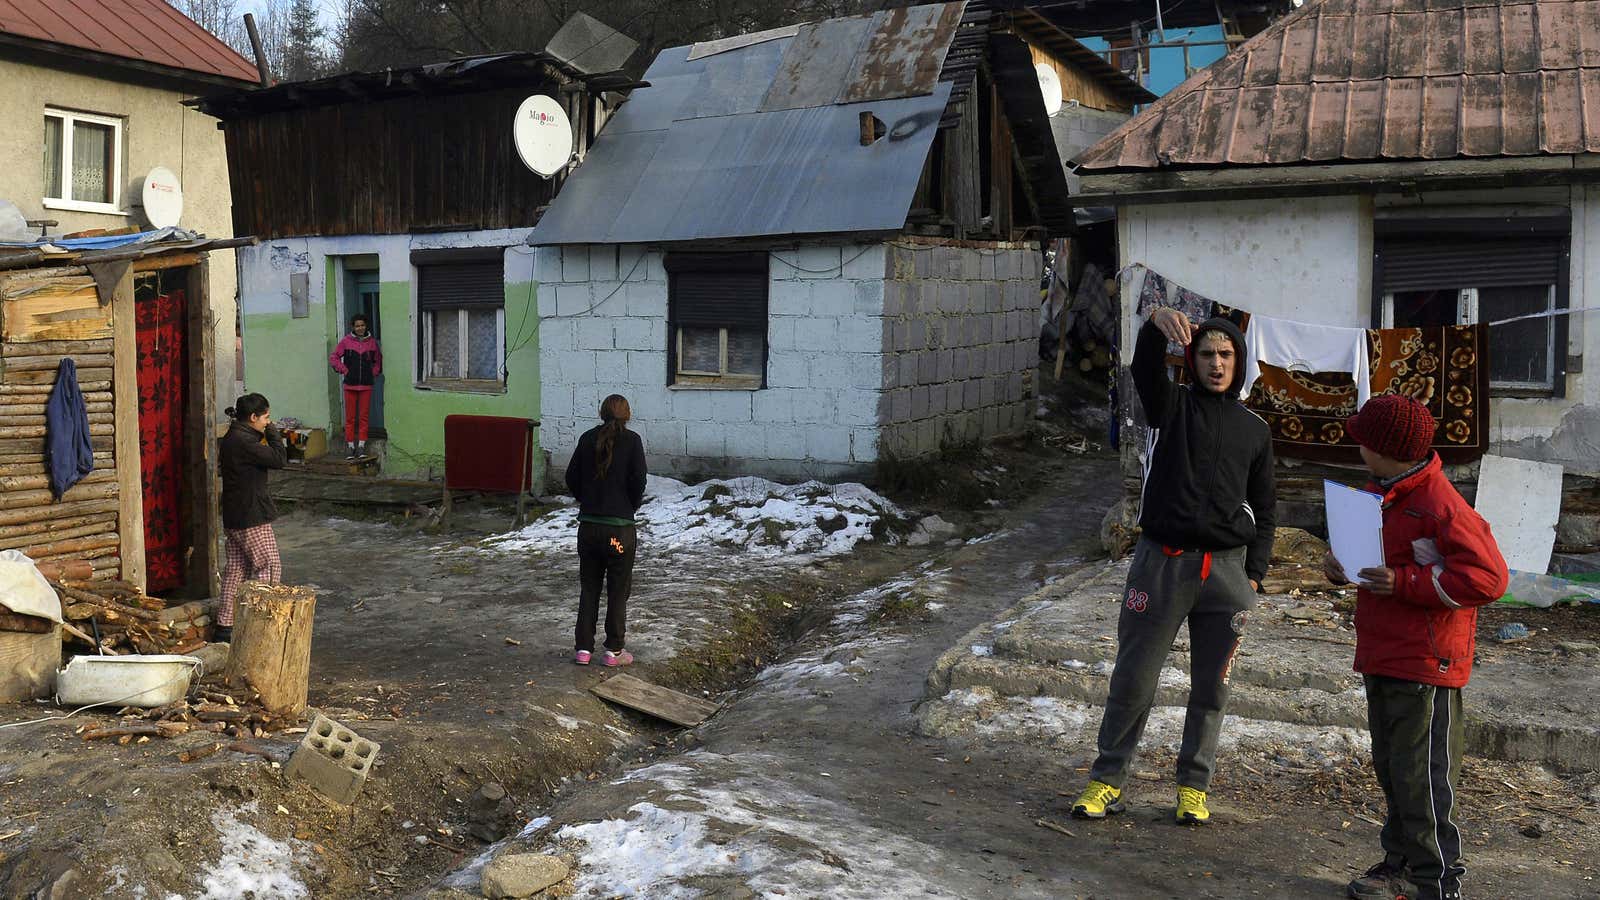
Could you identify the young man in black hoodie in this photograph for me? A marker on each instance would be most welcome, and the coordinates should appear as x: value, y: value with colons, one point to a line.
x: 1207, y: 518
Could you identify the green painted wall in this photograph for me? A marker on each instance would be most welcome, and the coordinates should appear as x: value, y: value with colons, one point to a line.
x: 414, y: 417
x: 287, y: 360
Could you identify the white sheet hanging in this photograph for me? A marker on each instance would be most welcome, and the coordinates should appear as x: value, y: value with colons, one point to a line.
x: 1304, y: 347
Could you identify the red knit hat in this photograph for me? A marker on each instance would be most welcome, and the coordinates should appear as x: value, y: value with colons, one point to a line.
x: 1395, y: 426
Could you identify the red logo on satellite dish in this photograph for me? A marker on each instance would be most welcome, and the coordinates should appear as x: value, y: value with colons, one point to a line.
x: 162, y: 186
x: 543, y: 118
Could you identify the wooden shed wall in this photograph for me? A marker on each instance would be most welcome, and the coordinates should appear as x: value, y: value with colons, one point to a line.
x: 425, y: 163
x: 48, y: 314
x: 1078, y: 85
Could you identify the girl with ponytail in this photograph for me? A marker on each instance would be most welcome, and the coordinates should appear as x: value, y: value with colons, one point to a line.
x: 251, y: 447
x: 607, y: 476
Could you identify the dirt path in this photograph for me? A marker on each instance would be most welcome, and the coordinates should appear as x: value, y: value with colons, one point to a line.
x: 815, y: 783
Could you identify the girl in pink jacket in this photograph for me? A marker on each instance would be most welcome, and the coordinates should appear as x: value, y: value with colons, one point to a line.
x: 359, y: 360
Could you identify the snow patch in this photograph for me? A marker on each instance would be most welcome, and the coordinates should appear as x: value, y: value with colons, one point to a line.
x: 252, y: 864
x: 761, y: 518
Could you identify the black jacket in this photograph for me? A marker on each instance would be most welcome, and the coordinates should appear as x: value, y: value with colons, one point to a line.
x: 244, y: 456
x: 621, y: 492
x: 1208, y: 481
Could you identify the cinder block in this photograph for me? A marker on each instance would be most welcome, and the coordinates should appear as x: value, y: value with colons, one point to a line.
x: 655, y: 268
x: 573, y: 299
x: 919, y: 335
x: 971, y: 265
x: 644, y: 300
x: 575, y: 366
x: 745, y: 441
x: 922, y: 261
x: 907, y: 363
x: 904, y: 263
x: 706, y: 440
x: 864, y: 444
x: 774, y: 405
x: 828, y: 444
x: 816, y: 334
x: 870, y: 297
x: 787, y: 369
x: 859, y: 334
x: 902, y: 335
x: 603, y: 263
x: 575, y: 264
x: 833, y: 297
x: 952, y: 298
x: 991, y: 422
x: 633, y: 264
x: 785, y: 442
x: 784, y: 265
x: 611, y: 366
x: 869, y: 262
x: 985, y: 266
x: 780, y: 334
x: 647, y: 368
x: 819, y: 262
x: 729, y: 407
x: 813, y: 406
x: 946, y: 366
x: 927, y: 366
x: 919, y: 402
x: 789, y: 298
x: 857, y: 408
x: 667, y: 437
x: 633, y: 334
x: 987, y: 392
x: 866, y: 371
x: 333, y: 760
x: 936, y: 400
x: 595, y: 334
x: 547, y: 264
x: 899, y: 405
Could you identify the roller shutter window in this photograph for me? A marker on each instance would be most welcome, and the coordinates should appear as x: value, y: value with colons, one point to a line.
x: 461, y: 297
x: 717, y: 319
x: 1458, y: 278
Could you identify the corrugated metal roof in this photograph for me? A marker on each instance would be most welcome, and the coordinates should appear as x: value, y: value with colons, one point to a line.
x: 149, y: 31
x: 764, y: 139
x: 1366, y: 80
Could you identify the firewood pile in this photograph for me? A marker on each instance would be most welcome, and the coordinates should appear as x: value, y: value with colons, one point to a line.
x: 126, y: 621
x: 207, y: 708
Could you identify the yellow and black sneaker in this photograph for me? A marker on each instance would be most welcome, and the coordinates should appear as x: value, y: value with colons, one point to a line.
x: 1097, y: 801
x: 1192, y: 807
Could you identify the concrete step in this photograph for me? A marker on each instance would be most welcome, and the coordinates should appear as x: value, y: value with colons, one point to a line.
x: 1294, y: 669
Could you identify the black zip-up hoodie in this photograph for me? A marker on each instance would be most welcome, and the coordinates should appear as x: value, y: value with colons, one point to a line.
x: 243, y: 456
x: 1208, y: 480
x: 621, y: 492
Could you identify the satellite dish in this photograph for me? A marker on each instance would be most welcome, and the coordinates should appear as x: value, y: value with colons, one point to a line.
x: 543, y: 135
x: 163, y: 198
x: 1050, y: 87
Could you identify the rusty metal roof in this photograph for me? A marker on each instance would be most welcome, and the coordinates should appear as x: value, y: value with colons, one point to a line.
x: 147, y: 31
x: 1371, y: 80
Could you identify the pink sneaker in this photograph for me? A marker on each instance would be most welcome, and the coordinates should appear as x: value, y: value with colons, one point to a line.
x: 623, y: 658
x: 582, y: 657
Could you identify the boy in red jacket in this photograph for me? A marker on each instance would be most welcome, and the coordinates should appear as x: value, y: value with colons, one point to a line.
x: 1416, y: 627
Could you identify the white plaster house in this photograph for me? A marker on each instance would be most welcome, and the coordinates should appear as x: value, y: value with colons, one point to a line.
x: 1325, y: 173
x: 800, y: 252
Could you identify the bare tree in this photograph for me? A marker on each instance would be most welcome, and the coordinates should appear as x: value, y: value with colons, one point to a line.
x: 220, y: 17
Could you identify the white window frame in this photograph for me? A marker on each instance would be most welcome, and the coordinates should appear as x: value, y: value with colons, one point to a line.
x: 1467, y: 314
x: 460, y: 381
x: 68, y: 119
x: 697, y: 378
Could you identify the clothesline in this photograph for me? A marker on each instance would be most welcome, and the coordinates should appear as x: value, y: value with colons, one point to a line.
x: 1547, y: 314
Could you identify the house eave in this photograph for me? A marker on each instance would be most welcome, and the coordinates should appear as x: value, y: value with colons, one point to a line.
x: 1263, y: 182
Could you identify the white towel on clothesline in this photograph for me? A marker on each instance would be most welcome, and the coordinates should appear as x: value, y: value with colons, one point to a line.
x: 1305, y: 347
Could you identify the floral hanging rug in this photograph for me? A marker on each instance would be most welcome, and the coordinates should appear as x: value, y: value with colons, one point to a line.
x: 1444, y: 368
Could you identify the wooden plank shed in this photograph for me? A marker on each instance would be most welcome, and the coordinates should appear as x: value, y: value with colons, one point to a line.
x: 135, y: 320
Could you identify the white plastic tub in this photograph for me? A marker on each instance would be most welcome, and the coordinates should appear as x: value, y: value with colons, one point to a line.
x: 125, y: 680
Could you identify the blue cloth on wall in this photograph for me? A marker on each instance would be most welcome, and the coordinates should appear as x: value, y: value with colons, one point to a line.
x: 68, y: 454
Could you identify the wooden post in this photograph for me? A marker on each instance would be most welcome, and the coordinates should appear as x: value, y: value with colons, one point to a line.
x: 272, y: 644
x: 125, y: 387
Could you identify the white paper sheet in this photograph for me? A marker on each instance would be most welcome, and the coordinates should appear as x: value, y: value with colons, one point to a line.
x: 1355, y: 527
x: 1521, y: 500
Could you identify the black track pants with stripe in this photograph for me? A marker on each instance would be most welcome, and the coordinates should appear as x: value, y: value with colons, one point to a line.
x: 1417, y: 737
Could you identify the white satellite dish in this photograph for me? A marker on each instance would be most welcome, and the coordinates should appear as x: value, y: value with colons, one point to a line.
x: 163, y: 198
x: 543, y: 135
x: 1050, y: 87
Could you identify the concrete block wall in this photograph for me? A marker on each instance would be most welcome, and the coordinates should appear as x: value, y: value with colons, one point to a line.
x: 960, y: 343
x: 603, y: 330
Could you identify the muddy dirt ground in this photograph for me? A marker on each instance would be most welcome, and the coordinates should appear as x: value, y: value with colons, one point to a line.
x: 457, y: 662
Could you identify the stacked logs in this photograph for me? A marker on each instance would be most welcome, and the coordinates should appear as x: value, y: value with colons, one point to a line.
x: 207, y: 708
x: 83, y: 525
x: 126, y: 620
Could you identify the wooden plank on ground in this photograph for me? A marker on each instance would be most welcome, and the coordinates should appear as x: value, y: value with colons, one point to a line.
x: 652, y: 699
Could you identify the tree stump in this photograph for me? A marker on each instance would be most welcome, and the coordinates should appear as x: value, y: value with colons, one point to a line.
x: 272, y: 644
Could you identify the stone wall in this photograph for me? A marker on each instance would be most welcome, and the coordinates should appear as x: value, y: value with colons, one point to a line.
x: 603, y: 330
x: 961, y: 343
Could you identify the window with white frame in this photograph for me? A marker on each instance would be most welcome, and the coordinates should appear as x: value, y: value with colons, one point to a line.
x: 82, y: 162
x: 717, y: 310
x: 1508, y: 274
x: 461, y: 299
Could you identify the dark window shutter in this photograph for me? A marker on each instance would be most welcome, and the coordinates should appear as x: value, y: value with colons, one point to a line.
x: 1417, y: 264
x: 451, y: 285
x: 718, y: 290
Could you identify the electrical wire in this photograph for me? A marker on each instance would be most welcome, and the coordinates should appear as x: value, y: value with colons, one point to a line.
x: 199, y: 667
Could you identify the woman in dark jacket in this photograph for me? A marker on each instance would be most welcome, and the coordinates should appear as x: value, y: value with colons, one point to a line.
x: 251, y: 447
x: 607, y: 476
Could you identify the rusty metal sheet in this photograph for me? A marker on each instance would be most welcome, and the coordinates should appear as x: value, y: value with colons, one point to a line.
x: 1519, y: 38
x: 1299, y: 45
x: 1445, y: 55
x: 1363, y: 125
x: 1325, y: 137
x: 1402, y: 119
x: 1519, y: 102
x: 1261, y: 64
x: 816, y: 63
x: 1370, y: 56
x: 1286, y: 142
x: 1482, y: 42
x: 1408, y: 46
x: 1589, y: 101
x: 904, y: 52
x: 1251, y: 125
x: 1480, y: 116
x: 1558, y: 36
x: 1332, y: 60
x: 1559, y: 112
x: 1588, y: 14
x: 1441, y: 117
x: 1216, y: 128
